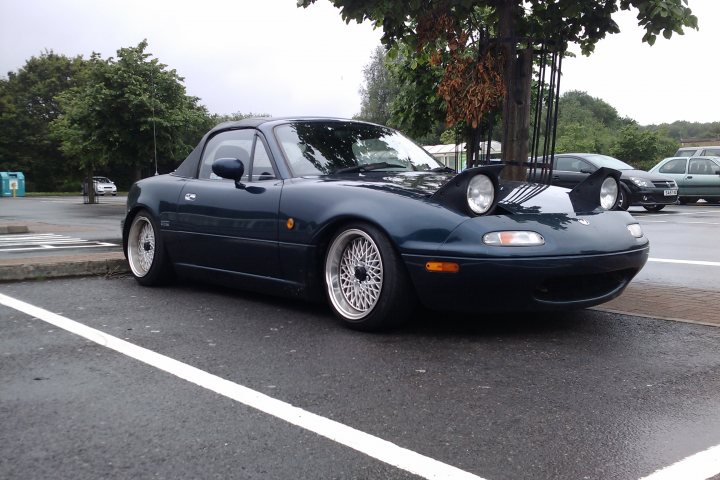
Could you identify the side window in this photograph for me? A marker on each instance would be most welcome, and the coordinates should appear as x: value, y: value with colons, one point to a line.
x: 583, y: 166
x: 674, y: 166
x: 565, y: 164
x: 701, y: 166
x: 229, y: 144
x: 262, y: 166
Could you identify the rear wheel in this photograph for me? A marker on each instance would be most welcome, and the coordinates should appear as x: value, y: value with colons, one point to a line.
x: 653, y: 208
x: 365, y: 279
x: 145, y: 251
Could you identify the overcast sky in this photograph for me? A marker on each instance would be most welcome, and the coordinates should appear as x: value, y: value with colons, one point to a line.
x: 268, y: 56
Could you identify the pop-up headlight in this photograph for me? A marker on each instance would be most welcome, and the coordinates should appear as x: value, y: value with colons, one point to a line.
x: 608, y: 193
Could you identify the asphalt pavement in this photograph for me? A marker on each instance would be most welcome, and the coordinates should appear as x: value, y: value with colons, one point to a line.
x: 102, y: 256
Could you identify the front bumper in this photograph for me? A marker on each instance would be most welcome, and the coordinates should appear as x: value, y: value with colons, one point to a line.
x: 522, y: 284
x: 653, y: 196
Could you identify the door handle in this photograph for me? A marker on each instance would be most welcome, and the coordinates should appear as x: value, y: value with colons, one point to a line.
x: 688, y: 177
x: 190, y: 197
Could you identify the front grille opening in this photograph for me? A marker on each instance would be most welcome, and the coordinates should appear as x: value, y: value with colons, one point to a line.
x: 582, y: 287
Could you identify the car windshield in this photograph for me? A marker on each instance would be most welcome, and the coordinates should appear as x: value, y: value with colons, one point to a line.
x: 326, y: 147
x: 609, y: 162
x: 685, y: 152
x: 102, y: 179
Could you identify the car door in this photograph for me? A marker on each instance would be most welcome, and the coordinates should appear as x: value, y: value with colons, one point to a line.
x: 677, y: 170
x: 227, y: 226
x: 702, y: 177
x: 569, y: 170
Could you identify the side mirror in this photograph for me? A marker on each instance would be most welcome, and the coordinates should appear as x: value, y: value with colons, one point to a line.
x: 231, y: 168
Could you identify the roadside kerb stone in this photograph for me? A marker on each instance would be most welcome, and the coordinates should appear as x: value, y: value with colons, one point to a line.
x: 11, y: 229
x: 37, y: 268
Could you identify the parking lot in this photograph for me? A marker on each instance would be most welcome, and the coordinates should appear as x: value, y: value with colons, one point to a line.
x: 103, y: 378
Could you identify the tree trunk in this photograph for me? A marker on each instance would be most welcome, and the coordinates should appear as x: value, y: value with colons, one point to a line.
x: 516, y: 104
x: 89, y: 185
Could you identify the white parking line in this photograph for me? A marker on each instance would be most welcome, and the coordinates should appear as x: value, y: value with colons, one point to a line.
x: 701, y: 466
x: 45, y: 241
x: 370, y: 445
x: 685, y: 262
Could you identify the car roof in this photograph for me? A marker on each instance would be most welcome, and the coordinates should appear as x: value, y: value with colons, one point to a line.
x: 257, y: 121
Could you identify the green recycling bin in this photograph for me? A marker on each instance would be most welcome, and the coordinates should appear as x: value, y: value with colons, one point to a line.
x: 12, y: 184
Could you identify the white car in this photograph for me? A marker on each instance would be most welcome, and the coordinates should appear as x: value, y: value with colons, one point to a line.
x: 103, y: 186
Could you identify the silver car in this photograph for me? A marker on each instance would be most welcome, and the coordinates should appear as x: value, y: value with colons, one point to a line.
x: 697, y: 177
x: 102, y: 186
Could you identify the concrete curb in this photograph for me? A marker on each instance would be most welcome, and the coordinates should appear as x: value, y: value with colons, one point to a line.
x: 40, y: 271
x: 8, y: 229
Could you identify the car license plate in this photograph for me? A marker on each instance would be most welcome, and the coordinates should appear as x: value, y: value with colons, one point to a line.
x: 671, y: 192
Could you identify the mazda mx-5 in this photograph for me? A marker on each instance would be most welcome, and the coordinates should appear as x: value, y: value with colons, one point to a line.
x: 359, y: 215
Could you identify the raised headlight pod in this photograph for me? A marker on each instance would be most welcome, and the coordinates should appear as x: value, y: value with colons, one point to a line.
x: 514, y: 238
x: 480, y: 193
x: 608, y: 193
x: 635, y: 230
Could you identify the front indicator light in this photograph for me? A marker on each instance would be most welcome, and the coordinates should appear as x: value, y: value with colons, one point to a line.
x: 513, y: 239
x: 635, y: 230
x: 446, y: 267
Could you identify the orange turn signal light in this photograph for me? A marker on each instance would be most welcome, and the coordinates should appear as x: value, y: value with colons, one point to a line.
x: 446, y: 267
x: 290, y: 224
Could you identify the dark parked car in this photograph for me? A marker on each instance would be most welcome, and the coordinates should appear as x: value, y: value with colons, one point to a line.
x: 650, y: 190
x: 697, y: 177
x: 360, y: 215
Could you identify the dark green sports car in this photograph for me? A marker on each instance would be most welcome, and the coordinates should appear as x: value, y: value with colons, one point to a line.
x: 357, y: 214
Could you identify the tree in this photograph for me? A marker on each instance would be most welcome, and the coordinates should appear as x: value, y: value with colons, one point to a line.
x: 128, y: 111
x: 380, y: 89
x: 486, y: 46
x: 28, y: 104
x: 642, y: 148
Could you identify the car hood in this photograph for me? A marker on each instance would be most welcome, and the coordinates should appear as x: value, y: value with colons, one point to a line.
x: 513, y: 197
x: 652, y: 177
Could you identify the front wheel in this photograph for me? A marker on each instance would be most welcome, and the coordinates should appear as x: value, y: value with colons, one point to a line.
x: 365, y: 279
x: 145, y: 251
x: 653, y: 208
x: 623, y: 202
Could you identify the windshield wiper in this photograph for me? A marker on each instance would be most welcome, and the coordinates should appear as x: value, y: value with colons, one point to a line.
x: 442, y: 169
x: 367, y: 167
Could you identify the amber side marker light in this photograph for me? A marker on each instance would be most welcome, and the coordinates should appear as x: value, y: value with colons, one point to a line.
x: 290, y: 223
x: 446, y: 267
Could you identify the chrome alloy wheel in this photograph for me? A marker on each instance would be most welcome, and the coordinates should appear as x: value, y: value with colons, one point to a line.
x: 354, y: 274
x: 141, y: 246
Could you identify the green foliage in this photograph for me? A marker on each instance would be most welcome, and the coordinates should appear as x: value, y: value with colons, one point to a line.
x: 124, y: 110
x: 584, y: 22
x: 588, y: 124
x: 681, y: 130
x: 28, y: 103
x: 642, y: 148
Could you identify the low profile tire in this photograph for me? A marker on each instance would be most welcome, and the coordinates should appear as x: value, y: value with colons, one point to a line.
x: 145, y: 251
x: 365, y: 279
x: 623, y: 202
x: 653, y: 208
